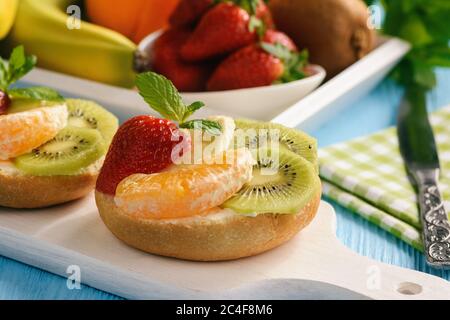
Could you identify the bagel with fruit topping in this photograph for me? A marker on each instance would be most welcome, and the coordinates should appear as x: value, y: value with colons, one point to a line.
x: 220, y: 235
x: 247, y: 198
x: 51, y: 149
x: 51, y: 152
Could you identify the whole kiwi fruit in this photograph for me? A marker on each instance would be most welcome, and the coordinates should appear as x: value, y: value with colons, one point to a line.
x: 335, y: 32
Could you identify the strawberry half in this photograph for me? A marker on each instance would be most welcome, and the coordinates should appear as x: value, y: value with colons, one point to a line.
x: 188, y: 12
x: 260, y: 65
x: 226, y: 27
x: 5, y: 102
x: 143, y: 144
x: 187, y: 77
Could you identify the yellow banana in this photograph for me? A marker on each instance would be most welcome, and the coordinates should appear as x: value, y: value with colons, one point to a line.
x: 8, y: 10
x: 72, y: 46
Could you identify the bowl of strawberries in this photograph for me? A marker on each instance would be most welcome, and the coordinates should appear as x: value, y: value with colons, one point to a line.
x: 229, y: 54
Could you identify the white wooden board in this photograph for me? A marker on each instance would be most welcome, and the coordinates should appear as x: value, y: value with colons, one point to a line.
x: 314, y: 265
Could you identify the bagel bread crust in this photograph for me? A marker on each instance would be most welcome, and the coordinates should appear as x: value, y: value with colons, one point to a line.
x: 30, y: 192
x: 204, y: 238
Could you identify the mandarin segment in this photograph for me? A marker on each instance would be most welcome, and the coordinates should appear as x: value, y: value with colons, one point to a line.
x: 185, y: 190
x: 22, y: 132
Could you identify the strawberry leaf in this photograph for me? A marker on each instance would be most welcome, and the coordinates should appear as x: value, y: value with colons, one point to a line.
x: 257, y: 25
x: 251, y: 6
x: 293, y: 62
x: 277, y: 50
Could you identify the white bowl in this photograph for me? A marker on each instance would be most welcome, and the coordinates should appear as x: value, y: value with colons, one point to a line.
x: 261, y: 103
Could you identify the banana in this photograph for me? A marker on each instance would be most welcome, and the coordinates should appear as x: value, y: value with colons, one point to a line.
x: 90, y: 51
x: 8, y: 9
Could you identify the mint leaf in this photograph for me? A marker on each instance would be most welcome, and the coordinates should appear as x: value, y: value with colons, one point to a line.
x: 192, y: 108
x: 17, y: 74
x: 15, y: 68
x: 212, y: 127
x: 3, y: 75
x: 162, y: 96
x: 439, y: 56
x: 425, y: 25
x: 17, y: 59
x: 36, y: 93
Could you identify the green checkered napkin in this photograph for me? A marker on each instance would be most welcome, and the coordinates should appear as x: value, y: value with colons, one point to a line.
x: 367, y: 175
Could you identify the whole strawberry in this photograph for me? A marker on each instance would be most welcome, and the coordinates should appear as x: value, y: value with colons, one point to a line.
x: 260, y: 64
x: 143, y: 144
x: 274, y: 37
x: 186, y: 76
x: 188, y: 12
x: 263, y: 13
x: 225, y: 28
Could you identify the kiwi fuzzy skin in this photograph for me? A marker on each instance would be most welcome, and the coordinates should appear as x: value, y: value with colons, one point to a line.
x: 335, y: 32
x: 31, y: 192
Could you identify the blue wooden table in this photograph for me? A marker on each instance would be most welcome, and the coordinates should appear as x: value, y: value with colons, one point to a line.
x: 374, y: 112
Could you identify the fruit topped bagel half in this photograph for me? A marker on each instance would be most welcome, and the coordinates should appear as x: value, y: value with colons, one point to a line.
x: 205, y: 189
x: 51, y: 149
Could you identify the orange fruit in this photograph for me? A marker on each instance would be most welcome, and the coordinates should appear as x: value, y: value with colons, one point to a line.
x: 135, y: 19
x: 184, y: 190
x: 23, y: 131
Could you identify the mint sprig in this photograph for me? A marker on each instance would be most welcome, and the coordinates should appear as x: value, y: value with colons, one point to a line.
x: 424, y: 24
x: 163, y: 97
x: 16, y: 67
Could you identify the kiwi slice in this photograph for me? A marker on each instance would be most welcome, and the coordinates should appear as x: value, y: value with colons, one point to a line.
x: 88, y: 114
x: 283, y: 182
x: 291, y: 139
x: 70, y: 151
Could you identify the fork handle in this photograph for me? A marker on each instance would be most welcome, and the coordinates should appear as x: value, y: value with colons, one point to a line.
x: 435, y: 223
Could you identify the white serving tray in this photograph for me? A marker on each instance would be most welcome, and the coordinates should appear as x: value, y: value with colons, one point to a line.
x: 314, y: 265
x: 319, y: 106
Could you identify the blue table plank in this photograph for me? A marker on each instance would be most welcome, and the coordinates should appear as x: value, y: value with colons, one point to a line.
x: 374, y: 112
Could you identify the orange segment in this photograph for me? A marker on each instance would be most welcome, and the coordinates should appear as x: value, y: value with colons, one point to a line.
x: 21, y: 132
x: 184, y: 190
